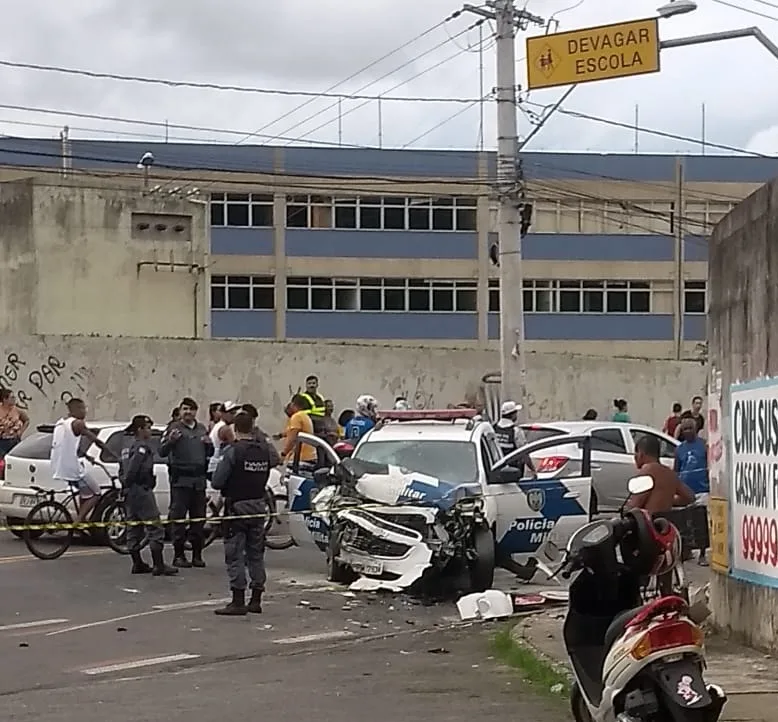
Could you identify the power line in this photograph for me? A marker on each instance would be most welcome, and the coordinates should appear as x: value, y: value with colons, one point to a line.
x: 411, y: 61
x: 653, y: 131
x: 354, y: 109
x: 746, y: 10
x: 222, y: 87
x: 365, y: 68
x: 768, y: 4
x: 442, y: 123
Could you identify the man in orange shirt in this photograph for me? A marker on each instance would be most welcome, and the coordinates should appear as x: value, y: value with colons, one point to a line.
x: 299, y: 420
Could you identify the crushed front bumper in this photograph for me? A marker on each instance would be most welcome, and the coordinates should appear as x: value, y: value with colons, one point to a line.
x: 386, y: 546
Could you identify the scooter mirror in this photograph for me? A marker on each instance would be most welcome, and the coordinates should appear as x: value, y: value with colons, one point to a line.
x: 640, y: 484
x: 549, y: 551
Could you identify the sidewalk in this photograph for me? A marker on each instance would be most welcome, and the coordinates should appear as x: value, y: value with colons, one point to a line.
x: 749, y: 678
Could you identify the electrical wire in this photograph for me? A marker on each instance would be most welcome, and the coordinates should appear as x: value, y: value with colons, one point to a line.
x: 411, y: 61
x: 222, y: 87
x: 766, y: 3
x: 364, y: 69
x: 746, y: 10
x: 654, y: 131
x: 443, y: 122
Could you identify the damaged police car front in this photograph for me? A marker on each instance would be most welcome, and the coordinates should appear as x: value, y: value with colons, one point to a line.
x: 428, y: 496
x: 388, y: 528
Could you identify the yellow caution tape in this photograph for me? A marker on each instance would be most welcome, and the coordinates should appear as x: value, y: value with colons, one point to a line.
x: 216, y: 519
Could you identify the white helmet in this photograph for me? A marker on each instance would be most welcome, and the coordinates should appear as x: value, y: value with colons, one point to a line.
x: 401, y: 405
x: 366, y: 405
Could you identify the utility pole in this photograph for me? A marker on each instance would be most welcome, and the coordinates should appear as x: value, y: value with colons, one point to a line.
x: 510, y: 191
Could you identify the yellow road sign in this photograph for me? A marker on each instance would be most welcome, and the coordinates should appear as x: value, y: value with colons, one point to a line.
x: 718, y: 520
x: 600, y: 53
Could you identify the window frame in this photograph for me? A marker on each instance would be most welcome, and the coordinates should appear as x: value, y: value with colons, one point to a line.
x: 220, y: 203
x: 695, y: 289
x: 224, y: 282
x: 463, y: 212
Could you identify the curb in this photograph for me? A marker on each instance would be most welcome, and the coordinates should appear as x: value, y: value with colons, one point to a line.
x: 519, y: 637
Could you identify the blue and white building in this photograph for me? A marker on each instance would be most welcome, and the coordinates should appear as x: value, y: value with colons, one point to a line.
x: 393, y: 245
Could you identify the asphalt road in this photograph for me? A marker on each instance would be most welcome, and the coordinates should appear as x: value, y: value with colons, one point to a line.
x: 82, y: 639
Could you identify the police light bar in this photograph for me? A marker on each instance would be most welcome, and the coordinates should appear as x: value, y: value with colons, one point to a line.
x: 428, y: 415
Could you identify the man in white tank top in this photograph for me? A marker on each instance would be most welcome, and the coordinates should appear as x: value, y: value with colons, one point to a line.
x: 66, y: 465
x: 222, y: 434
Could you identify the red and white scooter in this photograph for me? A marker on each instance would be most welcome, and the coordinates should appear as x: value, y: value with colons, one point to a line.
x: 632, y: 662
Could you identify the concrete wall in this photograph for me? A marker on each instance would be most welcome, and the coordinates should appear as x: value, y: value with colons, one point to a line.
x: 121, y: 377
x: 76, y: 259
x: 742, y: 318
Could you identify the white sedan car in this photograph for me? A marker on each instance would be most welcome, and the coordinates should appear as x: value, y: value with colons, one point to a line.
x: 613, y: 455
x: 29, y: 463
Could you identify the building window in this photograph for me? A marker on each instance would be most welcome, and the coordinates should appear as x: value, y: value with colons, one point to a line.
x: 695, y: 297
x: 381, y: 294
x: 545, y: 296
x: 242, y: 210
x: 387, y: 213
x: 242, y: 293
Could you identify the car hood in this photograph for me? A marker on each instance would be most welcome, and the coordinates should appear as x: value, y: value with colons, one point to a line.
x: 394, y: 485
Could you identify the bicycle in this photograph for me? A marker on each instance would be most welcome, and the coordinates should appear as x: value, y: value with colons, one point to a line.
x: 213, y: 529
x: 50, y: 517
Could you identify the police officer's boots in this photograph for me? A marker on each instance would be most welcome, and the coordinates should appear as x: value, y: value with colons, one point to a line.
x: 179, y: 557
x: 255, y: 603
x: 197, y: 553
x: 237, y: 607
x: 160, y: 568
x: 138, y: 565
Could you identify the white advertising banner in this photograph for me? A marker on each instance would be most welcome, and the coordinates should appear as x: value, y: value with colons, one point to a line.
x: 716, y: 457
x: 753, y: 494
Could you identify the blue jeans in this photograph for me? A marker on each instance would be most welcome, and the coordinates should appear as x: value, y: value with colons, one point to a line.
x: 6, y: 445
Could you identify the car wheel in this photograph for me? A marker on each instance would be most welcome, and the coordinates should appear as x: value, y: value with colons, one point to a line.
x: 337, y: 572
x: 483, y: 561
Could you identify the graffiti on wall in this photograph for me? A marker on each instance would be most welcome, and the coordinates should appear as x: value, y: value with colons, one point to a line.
x: 540, y: 408
x: 417, y: 396
x: 52, y: 380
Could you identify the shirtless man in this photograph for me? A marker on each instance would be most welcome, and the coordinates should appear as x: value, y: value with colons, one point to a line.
x: 668, y: 491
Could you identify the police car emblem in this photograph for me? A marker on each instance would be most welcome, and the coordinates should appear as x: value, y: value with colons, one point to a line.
x: 536, y: 499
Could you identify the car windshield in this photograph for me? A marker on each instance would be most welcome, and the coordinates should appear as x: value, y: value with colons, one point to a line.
x: 451, y: 461
x: 536, y: 433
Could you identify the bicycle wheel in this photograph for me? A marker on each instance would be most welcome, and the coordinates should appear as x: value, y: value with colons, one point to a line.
x: 115, y: 517
x: 277, y: 536
x: 212, y: 530
x: 57, y: 531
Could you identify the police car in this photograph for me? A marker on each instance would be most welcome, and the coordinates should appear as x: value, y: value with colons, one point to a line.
x: 450, y: 448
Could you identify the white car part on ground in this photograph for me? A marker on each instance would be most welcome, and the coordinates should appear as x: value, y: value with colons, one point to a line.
x: 491, y: 604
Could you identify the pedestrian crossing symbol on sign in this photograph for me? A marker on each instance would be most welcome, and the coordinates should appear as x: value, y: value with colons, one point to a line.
x: 547, y: 61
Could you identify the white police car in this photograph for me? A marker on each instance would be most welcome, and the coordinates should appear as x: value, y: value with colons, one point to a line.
x: 414, y: 462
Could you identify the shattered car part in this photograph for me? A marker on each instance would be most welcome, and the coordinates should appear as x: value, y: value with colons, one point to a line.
x: 390, y: 525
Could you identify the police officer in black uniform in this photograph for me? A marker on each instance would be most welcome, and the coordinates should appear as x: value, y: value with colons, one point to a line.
x: 241, y: 477
x: 136, y: 471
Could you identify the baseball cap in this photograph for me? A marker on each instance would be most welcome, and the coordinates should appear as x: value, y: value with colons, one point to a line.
x: 231, y: 406
x: 509, y: 407
x: 138, y: 422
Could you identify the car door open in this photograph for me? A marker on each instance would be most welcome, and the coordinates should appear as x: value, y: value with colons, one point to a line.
x: 529, y: 509
x: 307, y: 529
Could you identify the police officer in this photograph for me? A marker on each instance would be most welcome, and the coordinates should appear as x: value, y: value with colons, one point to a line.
x: 510, y: 436
x: 137, y: 475
x: 187, y: 446
x: 242, y: 476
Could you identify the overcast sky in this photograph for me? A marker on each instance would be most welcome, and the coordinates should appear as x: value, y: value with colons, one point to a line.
x: 311, y: 45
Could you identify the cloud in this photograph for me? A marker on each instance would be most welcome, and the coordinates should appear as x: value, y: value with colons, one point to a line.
x: 314, y: 44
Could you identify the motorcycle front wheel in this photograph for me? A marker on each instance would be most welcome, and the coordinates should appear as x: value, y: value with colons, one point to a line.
x: 578, y: 705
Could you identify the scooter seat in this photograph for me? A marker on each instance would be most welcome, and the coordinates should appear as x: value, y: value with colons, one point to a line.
x: 618, y: 626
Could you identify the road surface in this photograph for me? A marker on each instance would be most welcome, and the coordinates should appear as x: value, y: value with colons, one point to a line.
x: 84, y: 641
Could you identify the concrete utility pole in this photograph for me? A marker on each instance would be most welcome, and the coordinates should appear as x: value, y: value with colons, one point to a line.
x: 511, y: 194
